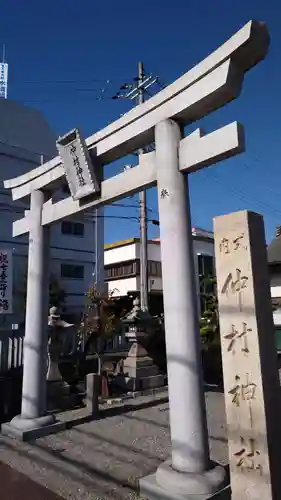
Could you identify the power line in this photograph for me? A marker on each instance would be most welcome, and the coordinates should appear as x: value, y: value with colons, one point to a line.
x: 248, y: 167
x: 64, y: 101
x: 155, y: 222
x: 117, y: 204
x: 64, y: 89
x: 245, y: 197
x: 65, y: 82
x: 75, y: 89
x: 128, y: 206
x: 127, y: 91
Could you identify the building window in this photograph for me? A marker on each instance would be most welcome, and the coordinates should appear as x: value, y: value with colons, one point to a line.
x: 72, y: 228
x: 132, y: 268
x: 65, y: 188
x: 121, y: 270
x: 205, y: 271
x: 72, y: 271
x: 205, y: 266
x: 154, y: 268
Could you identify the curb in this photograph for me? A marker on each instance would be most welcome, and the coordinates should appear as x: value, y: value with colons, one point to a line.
x: 134, y: 395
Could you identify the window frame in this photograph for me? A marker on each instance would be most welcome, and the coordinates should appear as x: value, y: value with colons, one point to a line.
x: 65, y: 265
x: 72, y: 225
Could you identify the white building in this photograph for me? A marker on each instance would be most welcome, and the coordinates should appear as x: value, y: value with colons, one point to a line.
x: 122, y: 266
x: 274, y: 263
x: 25, y: 140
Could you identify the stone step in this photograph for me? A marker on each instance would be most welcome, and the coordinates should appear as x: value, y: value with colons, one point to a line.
x: 139, y: 384
x: 132, y: 361
x: 151, y: 382
x: 146, y: 371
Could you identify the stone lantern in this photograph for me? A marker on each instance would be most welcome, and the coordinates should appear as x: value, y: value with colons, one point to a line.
x: 137, y: 321
x: 139, y: 372
x: 60, y: 335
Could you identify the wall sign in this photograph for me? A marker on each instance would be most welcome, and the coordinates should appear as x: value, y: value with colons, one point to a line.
x: 6, y: 282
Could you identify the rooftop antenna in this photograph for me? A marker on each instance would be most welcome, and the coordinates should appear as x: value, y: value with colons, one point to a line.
x: 3, y: 75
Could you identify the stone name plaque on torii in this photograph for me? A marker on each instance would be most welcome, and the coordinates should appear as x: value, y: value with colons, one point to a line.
x: 249, y: 355
x: 80, y: 173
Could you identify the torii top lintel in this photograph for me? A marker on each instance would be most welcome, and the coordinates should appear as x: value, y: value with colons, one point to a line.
x: 135, y: 129
x: 209, y: 85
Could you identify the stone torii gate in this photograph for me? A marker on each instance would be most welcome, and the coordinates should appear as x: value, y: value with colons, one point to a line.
x: 211, y: 84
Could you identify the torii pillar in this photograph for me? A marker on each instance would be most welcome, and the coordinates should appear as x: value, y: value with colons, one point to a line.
x: 190, y: 471
x: 33, y: 421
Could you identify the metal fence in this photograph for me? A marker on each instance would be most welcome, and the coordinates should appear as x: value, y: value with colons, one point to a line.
x: 11, y: 349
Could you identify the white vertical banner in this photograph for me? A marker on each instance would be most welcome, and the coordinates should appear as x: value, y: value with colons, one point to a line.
x: 3, y: 80
x: 6, y: 281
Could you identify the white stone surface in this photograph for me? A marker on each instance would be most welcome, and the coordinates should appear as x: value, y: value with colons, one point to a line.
x: 36, y: 337
x: 190, y: 452
x: 212, y: 148
x: 252, y: 392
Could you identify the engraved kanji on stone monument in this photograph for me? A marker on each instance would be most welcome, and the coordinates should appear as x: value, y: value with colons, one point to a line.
x: 229, y: 245
x: 234, y: 284
x: 238, y: 336
x: 242, y: 392
x: 249, y: 356
x: 248, y: 456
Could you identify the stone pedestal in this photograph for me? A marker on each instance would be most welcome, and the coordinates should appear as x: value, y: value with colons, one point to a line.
x: 58, y: 395
x: 178, y: 486
x: 139, y: 371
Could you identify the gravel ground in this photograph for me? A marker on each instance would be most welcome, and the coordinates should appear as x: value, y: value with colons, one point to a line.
x: 103, y: 459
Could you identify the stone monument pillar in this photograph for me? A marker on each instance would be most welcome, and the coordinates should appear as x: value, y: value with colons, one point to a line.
x: 189, y: 472
x: 249, y: 355
x: 33, y: 417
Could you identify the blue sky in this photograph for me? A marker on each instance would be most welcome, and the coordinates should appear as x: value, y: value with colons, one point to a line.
x: 61, y: 54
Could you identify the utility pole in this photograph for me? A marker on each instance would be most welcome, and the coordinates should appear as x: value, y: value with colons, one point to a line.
x: 143, y: 217
x: 137, y: 92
